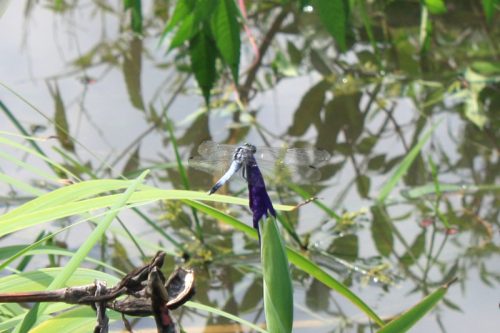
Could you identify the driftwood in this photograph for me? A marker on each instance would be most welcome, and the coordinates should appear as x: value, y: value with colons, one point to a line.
x: 146, y: 292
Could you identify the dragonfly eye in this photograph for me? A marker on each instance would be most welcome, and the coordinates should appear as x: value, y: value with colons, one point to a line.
x: 251, y: 147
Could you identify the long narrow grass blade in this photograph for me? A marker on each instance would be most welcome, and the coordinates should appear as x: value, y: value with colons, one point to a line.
x: 55, y: 166
x: 75, y: 261
x: 159, y: 230
x: 295, y: 258
x: 405, y: 165
x: 15, y: 220
x: 20, y: 127
x: 277, y: 283
x: 22, y: 250
x: 10, y: 323
x: 28, y: 166
x: 10, y: 251
x: 410, y: 317
x: 41, y: 279
x: 306, y: 196
x: 20, y: 185
x: 78, y: 320
x: 430, y: 189
x: 227, y: 315
x: 315, y: 271
x: 184, y: 178
x: 178, y: 159
x: 68, y: 194
x: 228, y: 219
x: 13, y: 252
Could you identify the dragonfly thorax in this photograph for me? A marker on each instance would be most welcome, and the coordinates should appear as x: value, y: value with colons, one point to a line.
x: 250, y: 147
x: 245, y: 153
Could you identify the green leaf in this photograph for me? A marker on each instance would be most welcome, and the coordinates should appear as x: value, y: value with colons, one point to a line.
x: 181, y: 11
x: 218, y: 312
x: 345, y: 247
x: 382, y: 231
x: 132, y: 163
x: 36, y: 152
x: 488, y: 8
x: 187, y: 29
x: 63, y: 196
x: 19, y: 185
x: 315, y: 271
x: 226, y: 32
x: 410, y: 317
x: 295, y: 258
x: 368, y: 25
x: 333, y: 15
x: 486, y: 67
x: 415, y: 251
x: 132, y: 66
x: 60, y: 120
x: 363, y: 185
x: 294, y: 53
x: 78, y: 320
x: 474, y: 110
x: 16, y: 313
x: 319, y: 63
x: 430, y: 189
x: 78, y: 199
x: 405, y: 165
x: 35, y: 169
x: 278, y: 292
x: 366, y: 144
x: 68, y: 270
x: 309, y: 109
x: 282, y: 66
x: 40, y: 279
x: 376, y: 162
x: 425, y: 30
x: 11, y: 253
x: 135, y: 8
x: 435, y: 6
x: 203, y: 56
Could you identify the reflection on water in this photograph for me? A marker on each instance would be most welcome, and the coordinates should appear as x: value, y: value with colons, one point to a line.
x: 115, y: 94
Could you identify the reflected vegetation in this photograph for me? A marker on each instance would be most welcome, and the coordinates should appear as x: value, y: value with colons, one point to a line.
x: 368, y: 107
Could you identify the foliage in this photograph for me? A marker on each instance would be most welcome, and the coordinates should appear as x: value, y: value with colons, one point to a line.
x: 277, y: 282
x: 405, y: 96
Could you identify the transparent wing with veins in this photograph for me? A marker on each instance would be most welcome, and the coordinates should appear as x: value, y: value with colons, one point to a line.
x: 298, y: 165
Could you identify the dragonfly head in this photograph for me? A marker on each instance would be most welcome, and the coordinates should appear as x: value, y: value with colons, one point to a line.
x: 250, y: 147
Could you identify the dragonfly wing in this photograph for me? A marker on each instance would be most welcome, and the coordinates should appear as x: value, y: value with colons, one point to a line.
x: 215, y: 167
x: 303, y: 156
x: 298, y: 156
x: 216, y: 151
x: 295, y: 173
x: 298, y: 165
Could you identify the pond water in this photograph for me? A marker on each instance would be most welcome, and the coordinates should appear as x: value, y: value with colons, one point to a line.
x: 368, y: 109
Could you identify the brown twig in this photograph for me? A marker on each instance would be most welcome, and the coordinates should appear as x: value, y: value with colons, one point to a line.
x: 244, y: 90
x: 146, y: 289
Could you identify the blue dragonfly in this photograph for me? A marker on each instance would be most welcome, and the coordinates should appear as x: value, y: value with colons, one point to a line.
x: 298, y: 165
x: 233, y: 159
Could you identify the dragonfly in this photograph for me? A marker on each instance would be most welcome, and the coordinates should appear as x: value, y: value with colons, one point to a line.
x: 299, y: 165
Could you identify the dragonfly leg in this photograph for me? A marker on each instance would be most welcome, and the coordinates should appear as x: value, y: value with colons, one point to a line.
x: 244, y: 173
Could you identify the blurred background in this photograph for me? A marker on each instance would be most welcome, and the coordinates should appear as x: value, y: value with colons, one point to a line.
x: 403, y: 68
